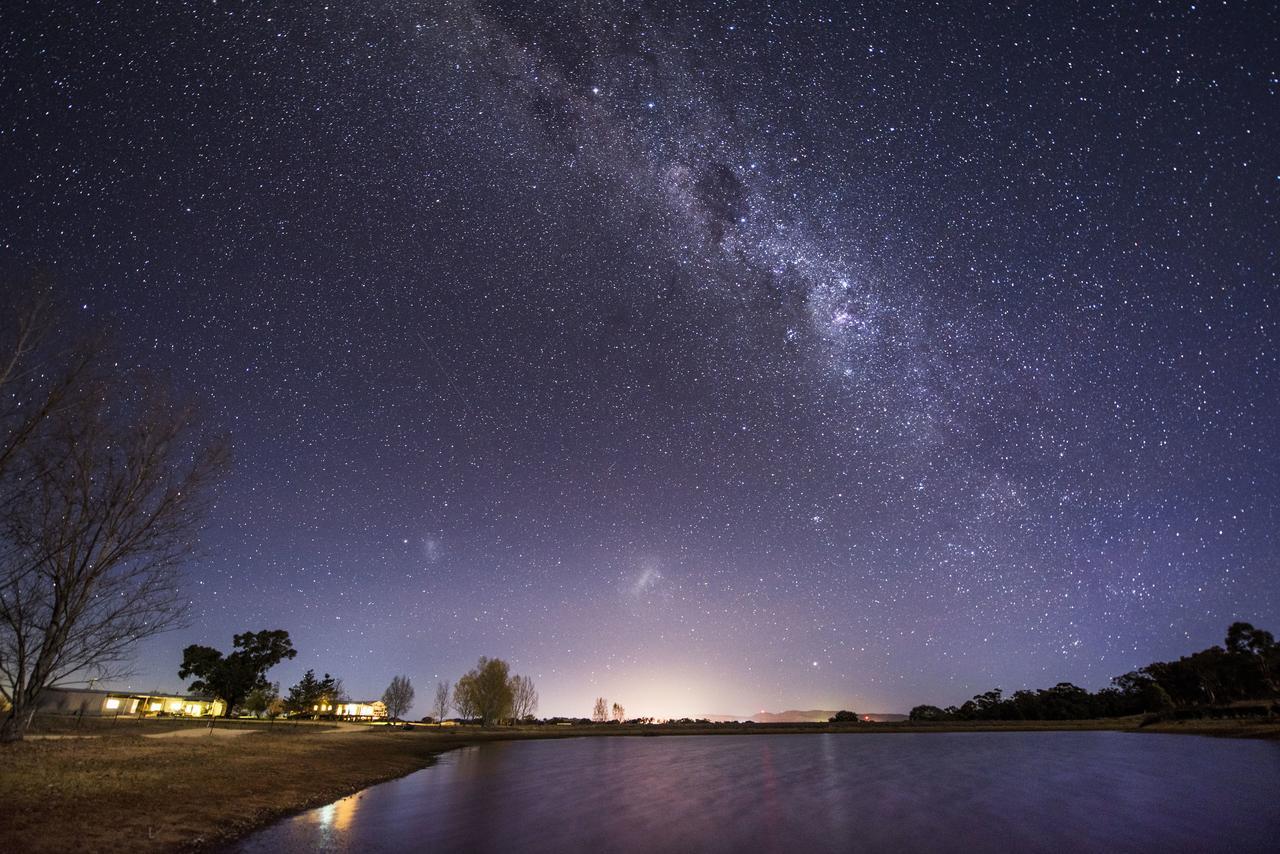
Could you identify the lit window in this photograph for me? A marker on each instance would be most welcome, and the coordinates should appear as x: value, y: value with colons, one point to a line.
x: 113, y: 702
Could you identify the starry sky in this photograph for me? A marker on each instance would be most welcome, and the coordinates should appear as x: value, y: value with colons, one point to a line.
x: 708, y: 357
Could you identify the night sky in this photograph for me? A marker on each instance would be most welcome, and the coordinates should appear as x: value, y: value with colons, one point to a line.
x: 707, y: 357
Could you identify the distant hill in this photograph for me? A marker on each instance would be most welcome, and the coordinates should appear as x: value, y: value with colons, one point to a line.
x: 796, y: 716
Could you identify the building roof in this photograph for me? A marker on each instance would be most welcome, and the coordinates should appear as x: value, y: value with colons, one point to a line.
x: 126, y: 693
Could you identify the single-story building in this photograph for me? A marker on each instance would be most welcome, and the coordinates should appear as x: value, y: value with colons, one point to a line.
x: 89, y: 701
x: 357, y: 710
x: 172, y: 704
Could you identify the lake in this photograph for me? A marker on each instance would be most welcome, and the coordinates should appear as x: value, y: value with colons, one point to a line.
x: 1045, y: 791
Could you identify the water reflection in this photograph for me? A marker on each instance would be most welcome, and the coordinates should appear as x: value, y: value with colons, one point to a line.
x: 335, y: 818
x: 1049, y: 792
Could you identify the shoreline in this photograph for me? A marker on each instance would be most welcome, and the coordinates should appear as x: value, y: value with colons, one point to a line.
x: 204, y: 794
x: 1211, y: 729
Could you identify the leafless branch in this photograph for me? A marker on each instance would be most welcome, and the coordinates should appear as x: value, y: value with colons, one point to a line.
x: 103, y: 482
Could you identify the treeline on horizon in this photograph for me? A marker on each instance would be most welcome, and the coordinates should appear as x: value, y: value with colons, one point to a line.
x: 489, y: 693
x: 1245, y: 668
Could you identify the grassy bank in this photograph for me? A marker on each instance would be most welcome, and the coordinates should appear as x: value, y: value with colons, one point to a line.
x: 1240, y: 728
x: 186, y: 789
x: 160, y: 794
x: 70, y: 725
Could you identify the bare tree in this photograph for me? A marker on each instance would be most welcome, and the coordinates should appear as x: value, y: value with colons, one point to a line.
x: 36, y: 381
x: 464, y: 697
x: 600, y: 713
x: 337, y: 692
x: 524, y: 697
x: 398, y: 697
x: 619, y: 713
x: 100, y: 499
x: 441, y: 705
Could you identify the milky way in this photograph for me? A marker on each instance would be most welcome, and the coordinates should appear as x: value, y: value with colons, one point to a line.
x: 710, y: 358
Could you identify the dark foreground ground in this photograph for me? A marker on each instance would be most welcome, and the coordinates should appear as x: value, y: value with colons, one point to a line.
x: 113, y: 785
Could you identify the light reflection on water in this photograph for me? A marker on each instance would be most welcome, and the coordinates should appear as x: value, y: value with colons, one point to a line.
x: 1052, y: 792
x: 332, y: 821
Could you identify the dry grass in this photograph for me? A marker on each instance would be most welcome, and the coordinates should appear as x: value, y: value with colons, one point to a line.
x: 126, y: 725
x: 161, y: 794
x: 1238, y: 728
x: 121, y: 789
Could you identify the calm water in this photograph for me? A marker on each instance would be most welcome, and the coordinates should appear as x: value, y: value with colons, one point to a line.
x: 1058, y: 792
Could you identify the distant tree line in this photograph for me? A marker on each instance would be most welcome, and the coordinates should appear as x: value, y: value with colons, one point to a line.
x: 1245, y: 668
x: 489, y: 694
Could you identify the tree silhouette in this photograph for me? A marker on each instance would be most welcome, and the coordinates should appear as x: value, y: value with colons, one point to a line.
x: 230, y: 678
x: 486, y: 691
x: 441, y: 705
x: 104, y: 480
x: 398, y: 697
x: 524, y: 697
x: 310, y: 693
x: 1243, y: 669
